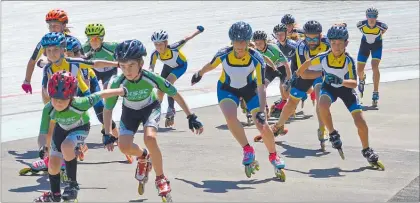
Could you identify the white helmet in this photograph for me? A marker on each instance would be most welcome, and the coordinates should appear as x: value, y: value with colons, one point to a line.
x: 159, y: 36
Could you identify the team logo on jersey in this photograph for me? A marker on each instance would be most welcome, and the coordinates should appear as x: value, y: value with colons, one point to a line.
x: 167, y: 84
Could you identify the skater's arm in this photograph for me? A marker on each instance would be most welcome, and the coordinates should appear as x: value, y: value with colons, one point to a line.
x: 107, y: 117
x: 262, y: 97
x: 199, y: 30
x: 288, y: 70
x: 350, y: 78
x: 181, y: 102
x: 45, y: 124
x: 270, y: 63
x: 153, y: 59
x: 104, y: 64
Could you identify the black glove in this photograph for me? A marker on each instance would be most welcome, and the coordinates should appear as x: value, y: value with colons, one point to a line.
x: 108, y: 139
x: 260, y: 117
x: 193, y: 123
x: 125, y: 92
x: 196, y: 78
x: 42, y: 152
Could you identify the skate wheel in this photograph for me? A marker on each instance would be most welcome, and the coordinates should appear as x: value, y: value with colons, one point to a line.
x: 340, y: 151
x: 24, y: 171
x: 167, y: 198
x: 258, y: 138
x: 377, y: 165
x: 257, y: 166
x: 129, y: 159
x: 140, y: 188
x: 248, y: 171
x: 280, y: 174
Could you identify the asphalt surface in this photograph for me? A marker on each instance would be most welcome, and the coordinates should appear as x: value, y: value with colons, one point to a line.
x: 208, y: 167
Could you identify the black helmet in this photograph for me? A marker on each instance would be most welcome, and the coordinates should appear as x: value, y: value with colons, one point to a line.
x: 129, y: 49
x: 312, y: 27
x: 259, y: 35
x: 280, y: 28
x: 288, y: 19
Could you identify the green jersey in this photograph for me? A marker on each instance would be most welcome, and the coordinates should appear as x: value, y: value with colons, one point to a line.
x: 140, y: 93
x: 275, y: 54
x: 74, y: 116
x: 106, y: 52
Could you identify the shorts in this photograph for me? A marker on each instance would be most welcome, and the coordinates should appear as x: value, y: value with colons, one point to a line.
x: 270, y: 74
x: 248, y: 93
x: 177, y: 72
x: 347, y: 95
x: 105, y: 76
x: 302, y: 86
x: 366, y: 48
x: 131, y: 119
x: 76, y: 135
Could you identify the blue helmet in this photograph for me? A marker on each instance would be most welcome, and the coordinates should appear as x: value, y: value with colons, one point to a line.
x: 130, y: 50
x: 372, y: 11
x: 240, y: 31
x: 73, y: 44
x: 338, y: 32
x: 54, y: 39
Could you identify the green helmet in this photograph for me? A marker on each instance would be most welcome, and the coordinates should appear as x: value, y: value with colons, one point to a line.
x: 95, y: 29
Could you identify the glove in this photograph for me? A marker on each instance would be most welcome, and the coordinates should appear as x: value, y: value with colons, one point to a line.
x: 26, y: 86
x: 332, y: 79
x: 42, y: 152
x: 291, y: 82
x: 39, y: 63
x: 260, y: 117
x: 193, y: 123
x: 108, y: 139
x: 196, y: 78
x: 200, y: 28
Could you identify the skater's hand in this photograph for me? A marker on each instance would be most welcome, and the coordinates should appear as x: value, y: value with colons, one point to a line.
x: 332, y: 79
x: 26, y: 86
x: 108, y: 141
x: 200, y: 28
x: 42, y: 151
x: 196, y: 78
x: 261, y: 117
x: 193, y: 123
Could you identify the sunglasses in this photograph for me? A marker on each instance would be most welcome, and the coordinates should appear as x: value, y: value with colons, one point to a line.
x: 308, y: 39
x: 95, y: 38
x: 371, y: 16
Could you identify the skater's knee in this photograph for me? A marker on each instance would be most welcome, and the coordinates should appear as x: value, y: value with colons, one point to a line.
x: 125, y: 147
x: 324, y: 103
x: 359, y: 121
x: 149, y: 138
x: 67, y: 146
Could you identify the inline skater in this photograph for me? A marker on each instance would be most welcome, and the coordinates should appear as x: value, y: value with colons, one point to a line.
x: 314, y: 44
x: 142, y: 106
x: 281, y: 68
x: 371, y: 42
x: 73, y: 50
x: 97, y: 48
x: 293, y: 32
x: 71, y: 131
x: 175, y: 63
x: 340, y: 79
x: 246, y: 82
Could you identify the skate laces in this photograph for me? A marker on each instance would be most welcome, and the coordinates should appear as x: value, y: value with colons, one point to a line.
x: 370, y: 154
x: 162, y: 184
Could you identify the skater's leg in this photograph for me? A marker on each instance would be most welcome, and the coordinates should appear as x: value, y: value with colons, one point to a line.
x: 324, y: 111
x: 362, y: 128
x: 287, y: 111
x: 152, y: 145
x: 376, y: 74
x: 127, y: 146
x: 317, y: 90
x: 229, y: 109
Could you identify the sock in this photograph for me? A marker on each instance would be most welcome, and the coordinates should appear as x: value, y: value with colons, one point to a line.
x: 71, y: 168
x: 55, y: 183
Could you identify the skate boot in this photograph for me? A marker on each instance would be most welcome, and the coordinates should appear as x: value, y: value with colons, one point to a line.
x: 249, y: 118
x: 279, y: 165
x: 375, y: 98
x: 276, y: 108
x: 170, y: 116
x: 70, y: 191
x: 144, y: 166
x: 81, y: 150
x: 164, y: 189
x: 361, y: 85
x: 251, y: 165
x: 36, y: 167
x: 336, y: 143
x: 48, y: 197
x: 322, y: 137
x: 373, y: 158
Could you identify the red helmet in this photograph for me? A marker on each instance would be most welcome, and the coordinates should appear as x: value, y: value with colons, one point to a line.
x: 62, y: 85
x: 57, y: 15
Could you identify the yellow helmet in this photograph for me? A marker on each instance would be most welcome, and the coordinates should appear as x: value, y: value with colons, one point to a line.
x: 95, y: 29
